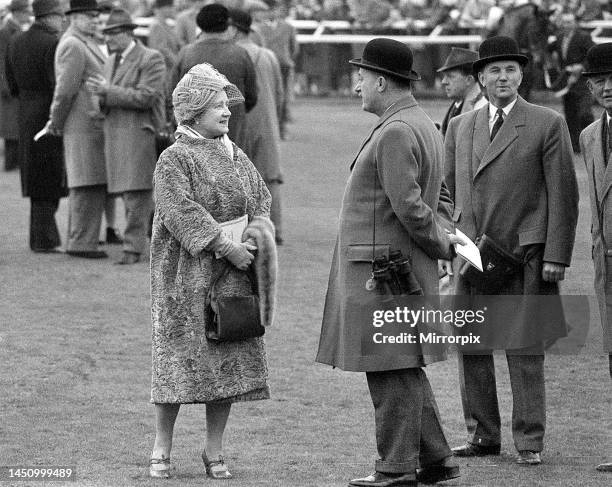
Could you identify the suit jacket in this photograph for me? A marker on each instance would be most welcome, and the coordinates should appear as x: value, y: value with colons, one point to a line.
x: 75, y: 110
x: 472, y: 101
x: 134, y: 113
x: 398, y: 171
x: 599, y: 178
x: 9, y: 104
x: 520, y: 189
x: 577, y: 48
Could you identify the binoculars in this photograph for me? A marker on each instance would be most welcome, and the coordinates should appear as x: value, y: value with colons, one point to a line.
x: 393, y: 275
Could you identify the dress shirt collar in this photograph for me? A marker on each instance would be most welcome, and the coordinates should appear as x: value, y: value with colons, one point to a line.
x: 506, y: 110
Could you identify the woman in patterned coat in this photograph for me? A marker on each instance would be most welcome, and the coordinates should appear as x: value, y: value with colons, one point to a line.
x: 200, y: 181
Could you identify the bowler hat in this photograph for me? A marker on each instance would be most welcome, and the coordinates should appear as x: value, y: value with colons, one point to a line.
x: 240, y: 19
x: 387, y: 56
x: 163, y: 3
x: 119, y: 19
x: 459, y: 58
x: 77, y: 6
x: 498, y: 48
x: 213, y: 17
x: 19, y: 5
x: 599, y: 59
x: 47, y: 7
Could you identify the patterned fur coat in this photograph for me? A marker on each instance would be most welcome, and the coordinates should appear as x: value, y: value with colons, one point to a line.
x: 196, y: 186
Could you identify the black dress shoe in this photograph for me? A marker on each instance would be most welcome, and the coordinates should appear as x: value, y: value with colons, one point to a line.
x: 112, y: 237
x: 472, y: 450
x: 88, y: 254
x: 433, y: 474
x: 379, y: 479
x: 46, y: 250
x: 128, y: 258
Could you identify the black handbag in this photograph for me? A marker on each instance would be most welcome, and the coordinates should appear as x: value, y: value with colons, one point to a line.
x: 233, y: 318
x: 498, y: 266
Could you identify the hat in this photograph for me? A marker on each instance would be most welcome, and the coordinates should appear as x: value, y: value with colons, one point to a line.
x: 77, y: 6
x: 119, y: 19
x: 163, y: 3
x: 387, y: 56
x: 498, y: 48
x: 47, y: 7
x: 599, y: 59
x: 106, y: 6
x: 241, y: 20
x: 459, y: 58
x: 213, y: 18
x: 19, y: 5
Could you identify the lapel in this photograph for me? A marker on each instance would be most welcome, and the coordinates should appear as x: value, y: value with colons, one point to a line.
x: 406, y: 102
x: 480, y: 136
x: 447, y: 118
x: 126, y: 64
x: 91, y: 45
x: 506, y: 135
x: 602, y: 174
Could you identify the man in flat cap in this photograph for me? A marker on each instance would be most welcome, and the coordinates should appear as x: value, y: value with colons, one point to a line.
x: 131, y: 96
x: 16, y: 22
x: 216, y: 46
x: 460, y: 84
x: 596, y: 149
x: 395, y: 185
x: 510, y: 171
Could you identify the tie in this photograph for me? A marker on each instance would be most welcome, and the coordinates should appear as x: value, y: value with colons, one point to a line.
x: 498, y: 123
x: 116, y: 64
x: 609, y: 142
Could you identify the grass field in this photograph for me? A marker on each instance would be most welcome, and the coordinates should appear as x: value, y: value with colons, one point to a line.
x: 75, y: 356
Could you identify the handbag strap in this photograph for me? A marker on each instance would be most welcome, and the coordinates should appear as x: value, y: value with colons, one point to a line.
x: 226, y: 267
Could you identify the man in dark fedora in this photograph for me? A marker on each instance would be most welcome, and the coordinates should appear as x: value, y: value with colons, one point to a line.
x: 596, y: 149
x: 216, y: 46
x: 510, y: 172
x: 395, y: 183
x: 460, y: 84
x: 131, y: 94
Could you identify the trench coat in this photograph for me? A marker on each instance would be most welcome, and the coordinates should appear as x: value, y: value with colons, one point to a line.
x: 31, y: 78
x: 521, y: 191
x: 599, y: 177
x: 9, y: 105
x: 398, y: 171
x: 75, y: 110
x: 163, y: 38
x: 263, y: 132
x: 134, y: 113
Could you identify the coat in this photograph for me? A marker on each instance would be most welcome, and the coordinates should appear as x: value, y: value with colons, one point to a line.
x: 134, y: 113
x: 163, y: 38
x: 31, y: 78
x: 599, y: 177
x: 186, y: 28
x: 402, y: 158
x: 263, y: 139
x: 472, y: 101
x: 9, y: 105
x: 521, y: 191
x: 198, y: 186
x: 235, y: 64
x: 75, y: 111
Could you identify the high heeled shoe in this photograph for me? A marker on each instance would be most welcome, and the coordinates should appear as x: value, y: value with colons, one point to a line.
x: 216, y: 469
x: 159, y: 468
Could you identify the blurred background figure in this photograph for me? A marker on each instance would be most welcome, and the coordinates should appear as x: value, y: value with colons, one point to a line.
x: 564, y: 74
x: 17, y: 21
x: 162, y: 34
x: 263, y: 133
x: 31, y: 79
x: 186, y: 28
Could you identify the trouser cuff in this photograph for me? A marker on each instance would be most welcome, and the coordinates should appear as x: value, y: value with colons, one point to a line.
x: 392, y: 467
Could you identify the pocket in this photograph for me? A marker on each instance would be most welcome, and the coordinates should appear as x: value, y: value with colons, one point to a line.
x: 532, y: 236
x: 363, y: 252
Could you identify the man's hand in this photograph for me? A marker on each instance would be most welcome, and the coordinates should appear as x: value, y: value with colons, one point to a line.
x: 445, y: 267
x: 97, y: 85
x: 553, y: 272
x: 51, y: 130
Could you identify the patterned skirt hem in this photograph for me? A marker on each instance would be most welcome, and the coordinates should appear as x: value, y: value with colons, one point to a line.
x: 254, y: 395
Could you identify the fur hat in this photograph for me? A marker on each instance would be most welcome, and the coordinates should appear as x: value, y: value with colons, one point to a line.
x: 213, y: 17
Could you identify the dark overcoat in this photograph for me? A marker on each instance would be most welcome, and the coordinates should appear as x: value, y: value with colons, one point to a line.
x: 399, y: 171
x: 521, y: 191
x: 599, y: 177
x: 9, y: 105
x: 31, y: 78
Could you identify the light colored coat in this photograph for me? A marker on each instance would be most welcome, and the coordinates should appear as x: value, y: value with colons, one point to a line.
x: 263, y: 132
x: 402, y: 158
x: 599, y: 177
x: 134, y: 109
x: 521, y: 191
x: 74, y: 110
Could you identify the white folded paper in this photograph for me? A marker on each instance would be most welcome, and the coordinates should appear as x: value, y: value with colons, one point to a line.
x: 469, y: 251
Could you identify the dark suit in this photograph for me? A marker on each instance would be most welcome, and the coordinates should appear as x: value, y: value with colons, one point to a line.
x: 520, y: 189
x: 9, y: 105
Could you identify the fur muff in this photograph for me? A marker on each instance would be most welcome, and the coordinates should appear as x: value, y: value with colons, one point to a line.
x: 261, y: 229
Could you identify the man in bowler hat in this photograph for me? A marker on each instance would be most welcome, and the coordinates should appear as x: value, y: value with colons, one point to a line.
x: 460, y: 84
x: 596, y: 149
x: 398, y: 171
x: 510, y: 172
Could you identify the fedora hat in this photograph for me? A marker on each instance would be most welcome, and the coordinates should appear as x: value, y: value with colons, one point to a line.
x: 599, y: 59
x: 240, y: 19
x: 77, y: 6
x: 47, y: 7
x: 459, y: 58
x: 498, y: 48
x: 119, y: 19
x: 387, y: 56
